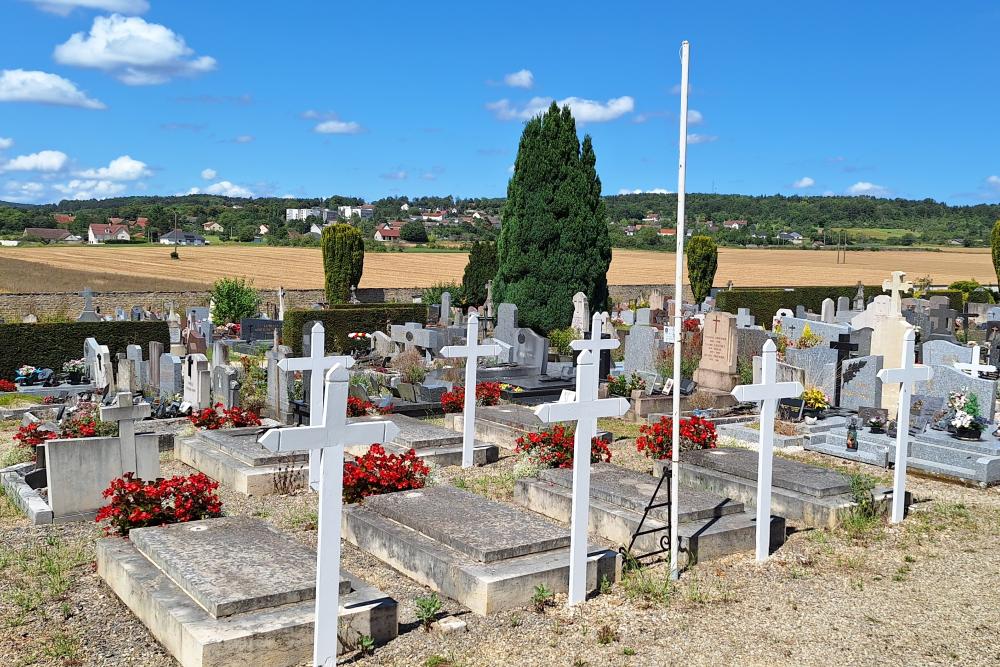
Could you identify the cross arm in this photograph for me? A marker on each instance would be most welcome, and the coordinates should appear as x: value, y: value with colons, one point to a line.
x: 750, y: 393
x: 294, y: 439
x: 561, y: 412
x: 367, y: 432
x: 916, y: 373
x: 312, y: 364
x: 594, y: 344
x: 456, y: 351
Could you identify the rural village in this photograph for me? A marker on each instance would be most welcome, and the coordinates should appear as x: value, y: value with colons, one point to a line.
x: 559, y: 427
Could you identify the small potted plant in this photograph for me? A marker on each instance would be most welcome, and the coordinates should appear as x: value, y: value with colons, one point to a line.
x: 410, y: 366
x: 967, y: 421
x: 74, y: 370
x: 876, y: 425
x: 816, y: 402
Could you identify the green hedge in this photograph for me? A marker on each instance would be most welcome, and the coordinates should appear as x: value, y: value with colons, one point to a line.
x: 342, y: 319
x: 50, y: 345
x: 764, y: 302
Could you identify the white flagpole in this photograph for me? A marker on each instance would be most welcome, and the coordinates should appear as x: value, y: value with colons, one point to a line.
x: 678, y: 318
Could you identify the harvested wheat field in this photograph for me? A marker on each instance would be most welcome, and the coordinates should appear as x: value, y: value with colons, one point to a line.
x: 47, y: 269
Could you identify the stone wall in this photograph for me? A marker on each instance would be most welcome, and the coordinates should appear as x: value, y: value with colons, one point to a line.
x: 67, y: 305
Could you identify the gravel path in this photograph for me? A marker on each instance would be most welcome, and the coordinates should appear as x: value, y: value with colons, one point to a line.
x: 924, y: 593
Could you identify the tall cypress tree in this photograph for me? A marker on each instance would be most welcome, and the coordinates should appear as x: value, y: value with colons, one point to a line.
x: 482, y: 268
x: 554, y: 240
x: 343, y: 261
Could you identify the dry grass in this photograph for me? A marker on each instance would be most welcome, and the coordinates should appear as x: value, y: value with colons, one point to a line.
x: 150, y: 268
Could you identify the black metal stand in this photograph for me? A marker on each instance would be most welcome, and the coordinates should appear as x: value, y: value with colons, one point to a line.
x: 630, y: 557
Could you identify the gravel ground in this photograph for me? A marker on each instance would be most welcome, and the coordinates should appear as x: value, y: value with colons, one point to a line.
x: 924, y: 593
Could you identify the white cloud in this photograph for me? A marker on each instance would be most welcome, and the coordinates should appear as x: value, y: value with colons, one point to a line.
x: 695, y: 117
x: 695, y: 138
x: 585, y: 111
x: 64, y: 7
x: 640, y: 191
x: 338, y: 127
x: 18, y: 85
x: 866, y: 188
x: 244, y: 139
x: 510, y: 169
x: 520, y: 79
x: 89, y: 188
x: 676, y: 89
x: 23, y: 192
x: 399, y: 175
x: 136, y: 52
x: 224, y: 188
x: 829, y: 193
x: 804, y: 182
x: 208, y: 174
x: 6, y: 142
x: 122, y: 168
x: 40, y: 161
x: 993, y: 182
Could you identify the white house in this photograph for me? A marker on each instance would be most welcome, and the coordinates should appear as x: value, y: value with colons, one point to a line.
x: 179, y: 237
x: 212, y: 226
x: 303, y: 213
x: 100, y: 232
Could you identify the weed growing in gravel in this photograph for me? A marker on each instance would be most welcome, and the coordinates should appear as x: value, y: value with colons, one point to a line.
x: 14, y: 456
x: 542, y: 598
x: 516, y: 621
x: 7, y: 511
x: 901, y: 573
x: 864, y: 521
x: 648, y: 585
x: 38, y: 574
x: 303, y: 519
x: 63, y: 646
x: 628, y: 651
x: 606, y: 634
x: 439, y: 661
x: 366, y: 645
x: 428, y: 607
x: 605, y: 586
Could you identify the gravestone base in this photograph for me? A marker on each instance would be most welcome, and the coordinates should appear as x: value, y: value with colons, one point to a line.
x: 29, y: 501
x: 435, y: 445
x: 706, y: 397
x: 710, y: 527
x: 742, y: 431
x: 233, y: 458
x: 502, y: 425
x: 713, y: 380
x: 804, y: 494
x: 488, y: 556
x: 207, y: 618
x: 644, y: 406
x: 43, y: 412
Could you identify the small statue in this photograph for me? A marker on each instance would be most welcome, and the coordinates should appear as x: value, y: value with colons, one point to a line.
x: 852, y: 435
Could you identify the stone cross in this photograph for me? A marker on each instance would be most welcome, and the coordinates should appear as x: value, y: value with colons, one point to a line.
x: 768, y: 392
x: 585, y: 408
x: 88, y: 314
x: 281, y: 303
x: 975, y: 368
x: 581, y: 313
x: 897, y: 285
x: 907, y: 373
x: 489, y: 299
x: 329, y: 434
x: 471, y: 352
x: 317, y: 364
x: 445, y: 308
x: 126, y: 413
x: 967, y: 316
x: 943, y: 317
x: 844, y: 347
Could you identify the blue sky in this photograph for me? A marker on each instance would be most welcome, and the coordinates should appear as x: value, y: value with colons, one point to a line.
x: 106, y: 97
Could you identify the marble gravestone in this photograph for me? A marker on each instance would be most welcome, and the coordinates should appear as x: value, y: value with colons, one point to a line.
x: 506, y: 329
x: 171, y: 375
x: 581, y: 313
x: 948, y: 379
x: 819, y: 365
x: 860, y: 385
x: 197, y: 381
x: 641, y: 349
x: 717, y: 368
x: 744, y: 320
x: 944, y: 353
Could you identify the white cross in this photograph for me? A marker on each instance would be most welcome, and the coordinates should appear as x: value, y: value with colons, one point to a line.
x: 126, y: 413
x: 975, y: 368
x: 471, y: 351
x: 331, y: 434
x: 907, y: 373
x: 897, y: 285
x: 585, y: 409
x: 318, y: 365
x: 768, y: 392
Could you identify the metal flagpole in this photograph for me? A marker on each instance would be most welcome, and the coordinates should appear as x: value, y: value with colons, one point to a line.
x: 678, y: 318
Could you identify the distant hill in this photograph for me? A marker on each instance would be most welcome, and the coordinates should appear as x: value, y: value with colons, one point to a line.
x: 12, y: 204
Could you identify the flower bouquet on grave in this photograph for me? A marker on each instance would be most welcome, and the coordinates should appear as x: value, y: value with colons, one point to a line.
x: 967, y: 421
x: 876, y: 425
x: 7, y: 385
x: 816, y: 401
x: 74, y: 369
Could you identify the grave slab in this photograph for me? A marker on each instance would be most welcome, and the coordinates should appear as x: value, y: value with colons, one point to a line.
x: 233, y: 577
x: 434, y: 444
x: 490, y: 556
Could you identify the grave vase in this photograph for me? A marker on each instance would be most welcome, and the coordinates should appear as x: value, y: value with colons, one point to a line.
x: 969, y: 434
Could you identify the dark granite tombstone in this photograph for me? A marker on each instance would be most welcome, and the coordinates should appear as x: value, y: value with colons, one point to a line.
x: 254, y: 329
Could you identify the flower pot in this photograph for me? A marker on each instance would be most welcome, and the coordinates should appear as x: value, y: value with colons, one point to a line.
x: 970, y: 434
x: 817, y: 413
x: 75, y: 377
x: 876, y: 429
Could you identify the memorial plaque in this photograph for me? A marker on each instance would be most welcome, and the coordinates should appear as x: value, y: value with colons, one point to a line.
x: 718, y: 347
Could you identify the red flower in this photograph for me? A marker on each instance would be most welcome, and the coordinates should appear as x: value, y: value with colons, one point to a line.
x: 135, y: 503
x: 554, y: 448
x: 487, y: 393
x: 7, y: 385
x: 30, y: 435
x: 656, y: 440
x: 376, y: 472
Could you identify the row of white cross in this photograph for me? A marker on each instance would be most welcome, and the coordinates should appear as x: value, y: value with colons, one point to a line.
x: 329, y: 432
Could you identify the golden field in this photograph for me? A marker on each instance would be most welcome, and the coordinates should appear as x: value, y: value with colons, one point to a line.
x: 57, y: 269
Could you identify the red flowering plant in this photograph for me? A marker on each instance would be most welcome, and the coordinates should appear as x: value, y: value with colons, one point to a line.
x: 656, y: 440
x: 691, y: 325
x: 554, y: 448
x: 214, y: 418
x: 487, y: 393
x: 30, y: 435
x: 136, y: 503
x: 358, y: 407
x: 7, y: 385
x: 85, y: 423
x: 377, y: 472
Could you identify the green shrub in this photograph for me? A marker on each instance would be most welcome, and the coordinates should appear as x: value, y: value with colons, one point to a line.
x: 433, y: 294
x: 702, y: 262
x: 559, y: 340
x: 344, y: 319
x: 481, y: 269
x: 233, y: 299
x: 343, y: 261
x: 414, y: 232
x: 49, y: 345
x: 427, y: 608
x: 995, y: 248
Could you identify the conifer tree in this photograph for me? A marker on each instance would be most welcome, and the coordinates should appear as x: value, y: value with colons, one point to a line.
x: 343, y: 261
x: 995, y: 248
x: 702, y: 261
x: 481, y: 269
x: 554, y: 240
